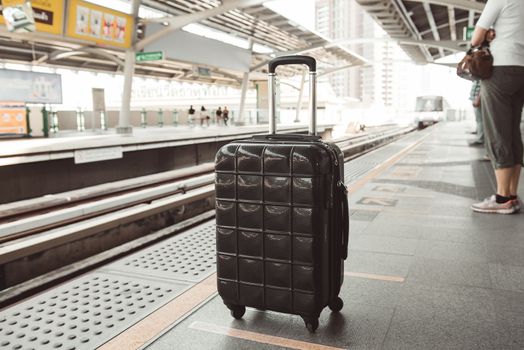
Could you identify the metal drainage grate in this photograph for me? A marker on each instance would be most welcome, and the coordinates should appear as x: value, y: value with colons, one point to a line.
x: 189, y: 256
x: 82, y: 314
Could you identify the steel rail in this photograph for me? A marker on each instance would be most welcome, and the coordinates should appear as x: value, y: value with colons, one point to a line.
x: 86, y: 206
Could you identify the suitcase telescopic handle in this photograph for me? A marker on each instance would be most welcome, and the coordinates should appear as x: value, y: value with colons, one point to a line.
x: 286, y: 60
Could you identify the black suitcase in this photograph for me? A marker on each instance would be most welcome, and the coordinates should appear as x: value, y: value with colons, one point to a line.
x: 282, y: 218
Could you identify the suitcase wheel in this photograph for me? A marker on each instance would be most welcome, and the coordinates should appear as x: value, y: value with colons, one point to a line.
x: 311, y: 323
x: 237, y: 311
x: 336, y: 304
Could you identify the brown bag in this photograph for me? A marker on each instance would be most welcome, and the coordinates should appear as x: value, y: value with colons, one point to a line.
x: 477, y: 64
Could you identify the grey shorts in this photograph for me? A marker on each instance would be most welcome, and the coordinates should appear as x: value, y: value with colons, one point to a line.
x: 502, y: 99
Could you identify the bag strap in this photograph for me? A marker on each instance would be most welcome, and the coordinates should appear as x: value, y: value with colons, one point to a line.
x: 484, y: 46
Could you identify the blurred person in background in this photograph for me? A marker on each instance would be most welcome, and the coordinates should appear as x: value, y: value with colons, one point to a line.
x: 474, y: 97
x: 225, y: 115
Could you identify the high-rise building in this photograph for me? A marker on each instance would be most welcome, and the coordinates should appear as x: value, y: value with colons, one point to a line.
x: 374, y: 85
x: 338, y: 20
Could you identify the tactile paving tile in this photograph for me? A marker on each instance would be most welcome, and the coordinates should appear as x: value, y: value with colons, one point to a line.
x: 436, y: 186
x: 84, y: 313
x: 355, y: 169
x: 364, y: 215
x: 189, y: 256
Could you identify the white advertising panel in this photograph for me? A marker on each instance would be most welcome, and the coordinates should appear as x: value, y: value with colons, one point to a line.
x: 30, y: 87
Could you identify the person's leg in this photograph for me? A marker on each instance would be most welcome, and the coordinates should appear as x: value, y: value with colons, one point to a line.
x: 504, y: 180
x: 480, y: 126
x: 479, y: 140
x: 514, y: 182
x: 518, y: 148
x: 496, y: 97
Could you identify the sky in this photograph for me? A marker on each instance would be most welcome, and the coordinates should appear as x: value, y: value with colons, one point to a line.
x: 427, y: 80
x: 299, y: 11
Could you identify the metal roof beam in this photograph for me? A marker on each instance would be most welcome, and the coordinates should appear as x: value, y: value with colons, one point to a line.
x: 324, y: 45
x: 432, y: 24
x: 60, y: 54
x: 269, y: 17
x: 450, y: 45
x: 410, y: 25
x: 177, y: 22
x: 444, y: 25
x: 460, y: 4
x: 338, y: 69
x: 452, y: 23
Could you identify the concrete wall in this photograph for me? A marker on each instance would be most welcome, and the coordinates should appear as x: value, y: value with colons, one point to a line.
x: 36, y: 264
x: 30, y: 180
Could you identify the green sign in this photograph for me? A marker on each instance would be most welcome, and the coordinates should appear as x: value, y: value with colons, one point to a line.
x: 468, y: 33
x: 149, y: 56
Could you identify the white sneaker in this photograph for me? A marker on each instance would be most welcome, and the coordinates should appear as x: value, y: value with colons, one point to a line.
x: 517, y: 203
x: 490, y: 206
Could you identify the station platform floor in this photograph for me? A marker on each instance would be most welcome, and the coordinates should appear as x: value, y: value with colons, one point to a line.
x: 424, y: 272
x: 64, y: 144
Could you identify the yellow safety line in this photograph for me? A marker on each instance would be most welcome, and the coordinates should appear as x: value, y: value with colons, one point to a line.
x: 357, y: 185
x: 372, y: 276
x: 259, y: 337
x: 146, y: 329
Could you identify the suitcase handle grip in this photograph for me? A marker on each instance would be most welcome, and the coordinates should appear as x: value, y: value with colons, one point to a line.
x: 293, y: 59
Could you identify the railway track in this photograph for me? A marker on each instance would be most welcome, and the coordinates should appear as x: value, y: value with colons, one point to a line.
x: 30, y: 217
x: 49, y: 238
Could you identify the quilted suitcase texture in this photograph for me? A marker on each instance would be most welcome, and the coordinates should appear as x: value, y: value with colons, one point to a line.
x: 282, y: 224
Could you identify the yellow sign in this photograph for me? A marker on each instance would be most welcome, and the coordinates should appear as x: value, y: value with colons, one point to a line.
x: 98, y: 24
x: 48, y: 14
x: 13, y: 119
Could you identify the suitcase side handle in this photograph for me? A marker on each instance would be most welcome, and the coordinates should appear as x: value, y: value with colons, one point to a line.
x: 286, y: 60
x: 345, y: 222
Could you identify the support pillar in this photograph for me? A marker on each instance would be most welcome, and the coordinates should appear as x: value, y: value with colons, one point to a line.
x: 245, y: 84
x: 124, y: 119
x: 45, y: 117
x: 471, y: 19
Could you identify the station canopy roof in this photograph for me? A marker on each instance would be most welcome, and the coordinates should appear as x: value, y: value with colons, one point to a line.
x: 425, y: 29
x: 269, y: 29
